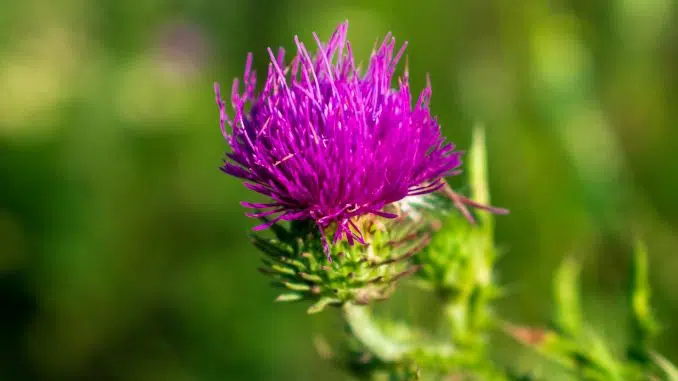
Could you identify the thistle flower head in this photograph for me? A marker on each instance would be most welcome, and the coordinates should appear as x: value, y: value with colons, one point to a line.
x: 327, y: 142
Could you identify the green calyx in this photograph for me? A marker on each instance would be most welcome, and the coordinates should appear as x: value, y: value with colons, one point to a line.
x: 359, y: 274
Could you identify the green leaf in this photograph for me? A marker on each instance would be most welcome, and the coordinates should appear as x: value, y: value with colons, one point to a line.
x: 601, y: 357
x: 665, y: 365
x: 589, y: 359
x: 645, y: 326
x: 567, y: 314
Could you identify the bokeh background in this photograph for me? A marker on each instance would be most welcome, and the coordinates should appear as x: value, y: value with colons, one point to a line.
x: 123, y: 249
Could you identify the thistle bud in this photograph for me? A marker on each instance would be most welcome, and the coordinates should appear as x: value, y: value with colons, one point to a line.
x: 360, y: 274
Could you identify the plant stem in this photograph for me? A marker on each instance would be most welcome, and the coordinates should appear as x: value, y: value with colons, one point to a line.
x: 363, y: 326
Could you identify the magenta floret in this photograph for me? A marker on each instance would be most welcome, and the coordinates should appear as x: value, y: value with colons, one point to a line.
x: 327, y: 143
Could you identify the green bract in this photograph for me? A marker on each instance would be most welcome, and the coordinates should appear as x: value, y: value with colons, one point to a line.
x: 358, y: 273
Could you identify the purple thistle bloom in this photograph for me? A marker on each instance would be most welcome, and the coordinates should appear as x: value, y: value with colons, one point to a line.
x: 327, y: 143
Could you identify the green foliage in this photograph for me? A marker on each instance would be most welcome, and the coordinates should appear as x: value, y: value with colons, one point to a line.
x: 457, y: 264
x: 644, y: 326
x: 567, y: 311
x: 581, y: 350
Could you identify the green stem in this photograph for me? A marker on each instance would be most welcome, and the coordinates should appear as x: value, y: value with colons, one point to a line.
x: 439, y: 357
x: 361, y: 322
x: 456, y: 314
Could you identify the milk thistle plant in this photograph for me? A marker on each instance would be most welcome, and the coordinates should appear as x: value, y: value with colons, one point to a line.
x: 354, y: 170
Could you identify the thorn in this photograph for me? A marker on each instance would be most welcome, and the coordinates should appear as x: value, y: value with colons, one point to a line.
x: 460, y: 202
x: 419, y: 247
x: 405, y: 273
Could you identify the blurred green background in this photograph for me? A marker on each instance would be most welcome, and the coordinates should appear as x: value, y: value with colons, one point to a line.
x: 123, y: 249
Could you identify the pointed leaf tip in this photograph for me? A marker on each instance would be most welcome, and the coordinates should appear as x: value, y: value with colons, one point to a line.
x: 568, y: 316
x: 291, y: 297
x: 645, y: 325
x: 478, y: 177
x: 321, y: 304
x: 478, y: 166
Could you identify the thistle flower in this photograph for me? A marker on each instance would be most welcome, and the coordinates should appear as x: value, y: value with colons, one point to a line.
x: 328, y: 143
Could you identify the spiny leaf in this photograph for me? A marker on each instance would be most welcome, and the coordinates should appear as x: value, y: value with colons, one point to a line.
x: 590, y: 362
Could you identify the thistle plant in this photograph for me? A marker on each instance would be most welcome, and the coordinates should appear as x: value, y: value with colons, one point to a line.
x: 354, y: 171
